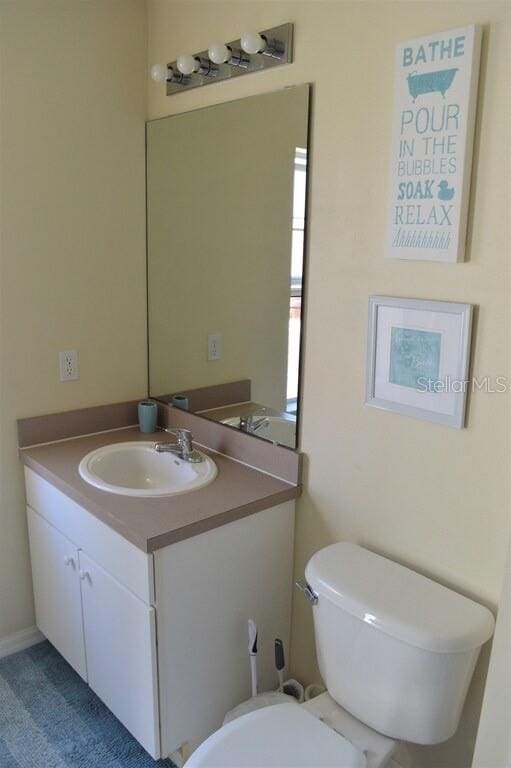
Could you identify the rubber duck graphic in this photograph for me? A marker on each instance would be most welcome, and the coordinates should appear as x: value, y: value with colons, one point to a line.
x: 445, y: 192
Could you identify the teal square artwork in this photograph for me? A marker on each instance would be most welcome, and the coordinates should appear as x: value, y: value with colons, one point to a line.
x: 414, y: 357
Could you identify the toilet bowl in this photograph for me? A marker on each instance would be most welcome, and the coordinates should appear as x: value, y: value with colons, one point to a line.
x: 283, y: 736
x: 396, y: 651
x: 317, y: 734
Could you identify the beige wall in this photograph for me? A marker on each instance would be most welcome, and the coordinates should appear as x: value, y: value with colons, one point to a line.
x: 72, y: 83
x: 429, y: 496
x: 220, y: 209
x: 72, y: 274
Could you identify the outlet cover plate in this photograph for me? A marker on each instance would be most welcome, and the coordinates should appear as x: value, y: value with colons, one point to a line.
x: 214, y: 346
x: 68, y: 365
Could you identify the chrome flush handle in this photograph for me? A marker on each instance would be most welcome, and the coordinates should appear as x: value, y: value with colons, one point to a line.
x: 309, y: 593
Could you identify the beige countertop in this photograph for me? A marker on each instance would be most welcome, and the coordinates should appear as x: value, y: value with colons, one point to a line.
x: 153, y: 523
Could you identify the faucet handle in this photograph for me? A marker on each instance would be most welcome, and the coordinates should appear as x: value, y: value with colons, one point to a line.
x: 184, y: 438
x: 184, y: 445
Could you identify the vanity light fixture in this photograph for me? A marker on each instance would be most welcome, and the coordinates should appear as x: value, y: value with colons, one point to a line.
x: 191, y: 65
x: 162, y: 73
x: 159, y: 73
x: 187, y: 64
x: 219, y: 53
x: 253, y: 42
x: 253, y: 52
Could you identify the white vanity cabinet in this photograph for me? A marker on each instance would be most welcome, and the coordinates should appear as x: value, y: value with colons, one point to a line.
x: 120, y: 640
x: 57, y: 590
x: 162, y: 639
x: 99, y: 625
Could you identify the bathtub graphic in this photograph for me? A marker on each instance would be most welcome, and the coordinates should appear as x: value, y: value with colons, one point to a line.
x: 430, y: 82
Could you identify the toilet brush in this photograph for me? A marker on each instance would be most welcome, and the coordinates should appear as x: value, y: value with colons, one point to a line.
x: 268, y: 698
x: 280, y: 662
x: 252, y: 650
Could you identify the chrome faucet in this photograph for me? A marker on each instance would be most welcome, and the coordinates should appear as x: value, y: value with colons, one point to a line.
x: 251, y: 425
x: 182, y: 447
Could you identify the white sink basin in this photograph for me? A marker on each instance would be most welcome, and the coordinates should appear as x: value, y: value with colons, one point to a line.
x: 278, y: 429
x: 136, y: 469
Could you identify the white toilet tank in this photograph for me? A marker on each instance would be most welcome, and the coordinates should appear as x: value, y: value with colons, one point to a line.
x: 395, y: 648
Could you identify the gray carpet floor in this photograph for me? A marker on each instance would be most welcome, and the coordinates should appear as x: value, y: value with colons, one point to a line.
x: 49, y: 718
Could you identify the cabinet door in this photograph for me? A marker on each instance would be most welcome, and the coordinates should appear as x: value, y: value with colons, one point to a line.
x: 57, y: 590
x: 120, y: 640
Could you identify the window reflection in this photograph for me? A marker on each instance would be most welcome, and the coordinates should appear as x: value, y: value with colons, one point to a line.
x: 295, y: 302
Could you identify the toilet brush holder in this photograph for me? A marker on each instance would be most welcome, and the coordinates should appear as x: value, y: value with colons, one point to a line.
x: 295, y: 689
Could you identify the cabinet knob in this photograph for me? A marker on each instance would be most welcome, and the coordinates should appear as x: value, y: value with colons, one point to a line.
x: 68, y: 560
x: 84, y: 575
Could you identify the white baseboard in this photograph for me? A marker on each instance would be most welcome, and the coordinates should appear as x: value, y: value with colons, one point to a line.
x: 18, y: 641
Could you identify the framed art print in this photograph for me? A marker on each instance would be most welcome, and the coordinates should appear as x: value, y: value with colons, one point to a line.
x: 418, y: 357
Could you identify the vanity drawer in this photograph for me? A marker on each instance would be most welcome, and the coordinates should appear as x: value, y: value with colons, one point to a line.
x: 119, y: 557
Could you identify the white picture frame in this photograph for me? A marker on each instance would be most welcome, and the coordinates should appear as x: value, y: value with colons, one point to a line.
x: 418, y: 355
x: 435, y: 100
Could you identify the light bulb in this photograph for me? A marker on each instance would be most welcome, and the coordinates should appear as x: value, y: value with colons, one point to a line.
x: 219, y: 53
x: 187, y: 64
x: 159, y: 73
x: 252, y: 42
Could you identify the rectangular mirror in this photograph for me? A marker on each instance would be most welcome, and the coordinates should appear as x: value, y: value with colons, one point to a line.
x: 226, y: 201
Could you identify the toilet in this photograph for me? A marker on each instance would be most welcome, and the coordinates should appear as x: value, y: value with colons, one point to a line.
x: 396, y: 652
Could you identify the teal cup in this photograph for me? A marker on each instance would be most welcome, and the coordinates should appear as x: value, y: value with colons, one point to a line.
x: 180, y: 401
x: 147, y: 415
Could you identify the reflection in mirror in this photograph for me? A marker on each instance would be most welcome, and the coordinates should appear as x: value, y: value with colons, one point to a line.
x: 226, y: 191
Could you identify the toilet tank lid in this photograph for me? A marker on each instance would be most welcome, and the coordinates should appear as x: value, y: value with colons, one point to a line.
x: 397, y: 600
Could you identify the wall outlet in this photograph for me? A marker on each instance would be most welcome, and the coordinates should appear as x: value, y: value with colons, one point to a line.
x: 214, y: 346
x: 68, y: 364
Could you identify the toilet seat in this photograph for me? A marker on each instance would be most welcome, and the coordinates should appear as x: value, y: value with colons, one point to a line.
x: 282, y: 736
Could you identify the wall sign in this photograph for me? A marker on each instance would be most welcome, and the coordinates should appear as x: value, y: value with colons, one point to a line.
x: 433, y: 130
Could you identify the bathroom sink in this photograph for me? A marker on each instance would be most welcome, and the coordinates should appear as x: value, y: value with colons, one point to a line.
x: 278, y: 429
x: 136, y: 469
